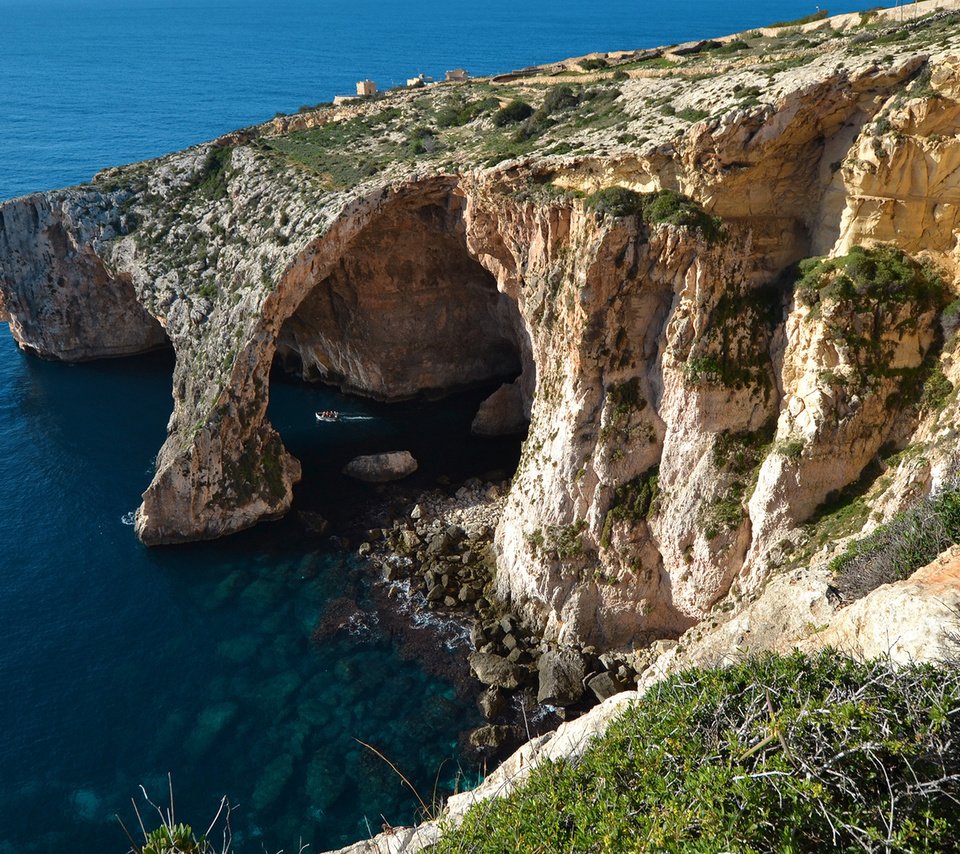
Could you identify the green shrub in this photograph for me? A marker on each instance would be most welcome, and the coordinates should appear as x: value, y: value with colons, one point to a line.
x: 559, y: 98
x: 532, y: 127
x: 615, y: 202
x: 882, y: 273
x: 620, y: 75
x: 734, y: 46
x: 634, y: 501
x: 515, y: 111
x: 743, y: 452
x: 774, y: 754
x: 657, y: 208
x: 593, y: 64
x: 792, y: 449
x: 422, y: 140
x: 208, y: 290
x: 174, y: 839
x: 950, y: 319
x: 936, y: 390
x: 893, y: 551
x: 670, y: 207
x: 725, y: 512
x: 211, y: 179
x: 692, y: 114
x: 559, y: 542
x: 457, y: 113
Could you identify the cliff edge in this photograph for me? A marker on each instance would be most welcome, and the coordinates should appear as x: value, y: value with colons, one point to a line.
x: 725, y: 274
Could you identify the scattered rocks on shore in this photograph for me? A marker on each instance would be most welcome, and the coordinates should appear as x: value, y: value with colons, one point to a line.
x: 495, y: 670
x: 561, y: 676
x: 441, y: 552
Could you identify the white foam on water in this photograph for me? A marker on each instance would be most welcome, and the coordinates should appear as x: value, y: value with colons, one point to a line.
x: 454, y: 633
x: 360, y: 625
x: 128, y: 518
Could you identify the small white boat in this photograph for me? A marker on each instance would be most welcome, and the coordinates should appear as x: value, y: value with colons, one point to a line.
x: 328, y: 415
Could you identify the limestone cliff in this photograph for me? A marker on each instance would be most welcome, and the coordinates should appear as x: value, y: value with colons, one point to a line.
x: 696, y: 402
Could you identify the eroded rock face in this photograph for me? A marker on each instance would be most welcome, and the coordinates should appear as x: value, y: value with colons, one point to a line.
x: 686, y: 412
x: 501, y: 414
x: 58, y: 296
x: 406, y: 309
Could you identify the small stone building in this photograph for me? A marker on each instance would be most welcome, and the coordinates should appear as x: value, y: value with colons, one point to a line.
x: 457, y: 74
x: 366, y: 88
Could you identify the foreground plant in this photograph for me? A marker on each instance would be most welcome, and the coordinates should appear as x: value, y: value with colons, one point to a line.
x: 781, y: 754
x: 173, y: 837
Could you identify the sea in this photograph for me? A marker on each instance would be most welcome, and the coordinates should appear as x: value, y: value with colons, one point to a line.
x: 250, y: 668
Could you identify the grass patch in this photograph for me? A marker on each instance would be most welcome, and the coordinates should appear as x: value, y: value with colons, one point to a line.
x: 784, y: 754
x: 345, y: 153
x: 893, y: 551
x: 559, y: 542
x: 723, y: 354
x: 211, y: 179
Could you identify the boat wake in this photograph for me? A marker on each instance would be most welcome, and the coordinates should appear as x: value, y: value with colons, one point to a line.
x: 332, y: 416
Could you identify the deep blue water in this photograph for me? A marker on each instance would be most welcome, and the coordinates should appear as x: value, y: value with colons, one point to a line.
x: 119, y: 664
x: 86, y: 84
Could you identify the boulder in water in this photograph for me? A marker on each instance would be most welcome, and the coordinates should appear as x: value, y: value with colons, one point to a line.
x: 495, y: 670
x: 381, y: 468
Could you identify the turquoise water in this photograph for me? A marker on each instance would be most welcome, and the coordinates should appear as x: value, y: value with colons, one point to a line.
x: 120, y: 664
x: 221, y: 663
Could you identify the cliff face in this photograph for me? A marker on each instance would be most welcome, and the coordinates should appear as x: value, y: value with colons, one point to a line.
x: 692, y: 401
x: 59, y: 298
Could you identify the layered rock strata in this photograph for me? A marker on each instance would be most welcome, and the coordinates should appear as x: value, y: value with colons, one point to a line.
x: 688, y: 413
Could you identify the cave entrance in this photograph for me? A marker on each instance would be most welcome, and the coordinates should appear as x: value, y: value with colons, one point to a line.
x: 409, y: 338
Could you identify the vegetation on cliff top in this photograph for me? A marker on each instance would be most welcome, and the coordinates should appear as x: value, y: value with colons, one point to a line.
x: 663, y: 207
x: 773, y: 754
x: 882, y: 274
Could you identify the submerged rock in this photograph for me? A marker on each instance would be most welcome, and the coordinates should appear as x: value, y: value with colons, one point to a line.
x: 313, y: 523
x: 381, y: 468
x: 494, y: 736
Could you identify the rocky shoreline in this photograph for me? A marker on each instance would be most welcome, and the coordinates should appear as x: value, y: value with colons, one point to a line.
x: 436, y: 559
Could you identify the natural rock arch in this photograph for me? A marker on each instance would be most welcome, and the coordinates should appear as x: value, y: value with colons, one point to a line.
x: 387, y: 302
x: 405, y: 309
